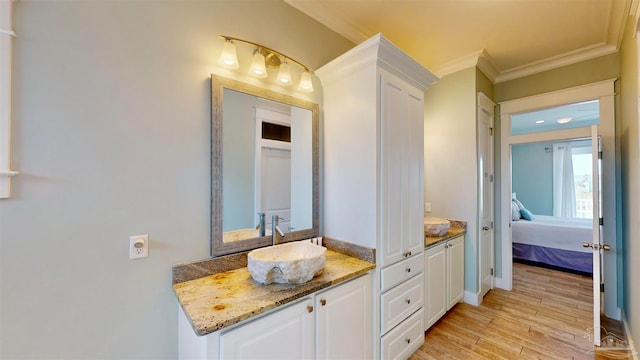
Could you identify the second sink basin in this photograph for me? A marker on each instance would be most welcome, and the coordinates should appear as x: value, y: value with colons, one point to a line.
x: 289, y: 263
x: 436, y: 226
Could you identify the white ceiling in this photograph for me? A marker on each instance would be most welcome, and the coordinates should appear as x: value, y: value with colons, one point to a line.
x: 506, y: 39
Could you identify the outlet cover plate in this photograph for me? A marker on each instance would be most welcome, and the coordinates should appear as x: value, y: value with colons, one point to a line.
x: 138, y: 246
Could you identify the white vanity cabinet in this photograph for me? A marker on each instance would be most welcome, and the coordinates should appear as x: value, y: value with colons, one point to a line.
x: 343, y: 326
x: 285, y: 334
x: 329, y: 324
x: 444, y: 278
x: 374, y: 177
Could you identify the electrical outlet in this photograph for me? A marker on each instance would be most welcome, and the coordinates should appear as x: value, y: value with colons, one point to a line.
x: 427, y: 207
x: 138, y: 246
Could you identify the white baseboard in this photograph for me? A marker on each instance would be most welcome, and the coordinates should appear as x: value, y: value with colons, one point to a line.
x: 627, y: 332
x: 472, y: 298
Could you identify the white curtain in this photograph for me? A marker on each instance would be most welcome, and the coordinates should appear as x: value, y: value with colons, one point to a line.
x: 564, y: 194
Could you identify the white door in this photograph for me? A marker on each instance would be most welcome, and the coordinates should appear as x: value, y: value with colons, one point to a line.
x: 485, y: 164
x: 276, y: 185
x: 597, y: 238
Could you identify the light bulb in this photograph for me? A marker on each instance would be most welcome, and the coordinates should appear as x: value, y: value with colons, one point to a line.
x: 284, y: 75
x: 228, y: 58
x: 306, y: 85
x: 258, y: 69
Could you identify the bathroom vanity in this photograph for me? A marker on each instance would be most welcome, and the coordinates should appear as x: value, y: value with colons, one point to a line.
x: 444, y: 272
x: 228, y: 315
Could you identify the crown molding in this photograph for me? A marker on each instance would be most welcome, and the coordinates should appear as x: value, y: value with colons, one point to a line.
x: 586, y: 53
x: 619, y: 13
x: 322, y: 13
x: 480, y: 59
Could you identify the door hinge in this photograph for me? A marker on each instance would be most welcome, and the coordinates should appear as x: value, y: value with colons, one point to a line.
x: 491, y: 178
x: 601, y: 221
x: 602, y: 287
x: 490, y: 131
x: 599, y: 155
x: 491, y: 224
x: 491, y: 271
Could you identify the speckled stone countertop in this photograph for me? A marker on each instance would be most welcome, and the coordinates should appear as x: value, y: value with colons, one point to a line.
x: 457, y: 228
x: 225, y: 298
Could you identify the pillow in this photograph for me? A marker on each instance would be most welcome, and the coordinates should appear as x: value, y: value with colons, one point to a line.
x: 526, y: 214
x: 519, y: 204
x: 515, y: 212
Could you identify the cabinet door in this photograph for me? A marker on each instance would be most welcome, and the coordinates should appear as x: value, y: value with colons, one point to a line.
x: 455, y: 271
x: 401, y: 169
x: 344, y: 327
x: 284, y: 334
x: 435, y: 297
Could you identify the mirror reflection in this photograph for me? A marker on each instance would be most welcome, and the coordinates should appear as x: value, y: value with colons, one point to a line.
x: 267, y: 157
x: 264, y: 167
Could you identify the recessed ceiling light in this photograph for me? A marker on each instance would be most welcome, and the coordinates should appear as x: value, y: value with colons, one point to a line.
x: 563, y: 120
x: 540, y: 122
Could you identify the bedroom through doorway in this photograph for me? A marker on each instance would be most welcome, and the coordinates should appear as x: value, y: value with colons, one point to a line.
x: 547, y: 143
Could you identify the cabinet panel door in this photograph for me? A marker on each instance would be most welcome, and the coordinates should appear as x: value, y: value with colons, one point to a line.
x: 401, y: 169
x: 344, y: 327
x: 393, y: 168
x: 455, y: 271
x: 435, y: 297
x: 284, y: 334
x: 414, y: 241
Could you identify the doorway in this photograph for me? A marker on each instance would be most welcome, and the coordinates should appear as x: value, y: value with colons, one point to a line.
x: 603, y: 93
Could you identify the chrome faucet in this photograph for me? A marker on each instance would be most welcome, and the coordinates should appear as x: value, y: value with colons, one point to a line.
x: 276, y: 232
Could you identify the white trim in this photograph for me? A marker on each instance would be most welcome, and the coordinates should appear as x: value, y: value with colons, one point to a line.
x: 322, y: 12
x: 499, y: 283
x: 472, y: 298
x: 604, y: 92
x: 627, y: 332
x: 6, y: 43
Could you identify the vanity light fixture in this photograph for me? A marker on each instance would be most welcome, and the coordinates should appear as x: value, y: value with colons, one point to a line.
x: 264, y: 57
x: 228, y: 58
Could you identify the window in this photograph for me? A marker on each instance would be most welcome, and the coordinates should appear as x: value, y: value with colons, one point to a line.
x: 6, y: 38
x: 583, y: 181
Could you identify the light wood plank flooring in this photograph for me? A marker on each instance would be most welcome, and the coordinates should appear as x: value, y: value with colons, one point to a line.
x: 546, y: 316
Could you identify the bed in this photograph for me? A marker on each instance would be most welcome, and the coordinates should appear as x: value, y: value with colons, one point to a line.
x: 554, y: 241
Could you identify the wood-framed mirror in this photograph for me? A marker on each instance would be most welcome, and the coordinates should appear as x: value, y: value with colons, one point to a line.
x: 264, y: 159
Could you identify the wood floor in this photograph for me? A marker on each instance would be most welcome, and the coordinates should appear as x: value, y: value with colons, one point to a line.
x: 546, y: 316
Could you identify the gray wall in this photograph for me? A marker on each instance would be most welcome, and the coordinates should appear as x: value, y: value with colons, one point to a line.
x: 627, y: 133
x: 450, y: 159
x: 111, y: 131
x: 532, y: 176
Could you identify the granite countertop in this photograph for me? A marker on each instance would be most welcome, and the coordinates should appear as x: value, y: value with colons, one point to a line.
x: 457, y: 228
x: 225, y: 298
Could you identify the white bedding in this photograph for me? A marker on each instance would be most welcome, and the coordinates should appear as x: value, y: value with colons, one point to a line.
x: 553, y: 232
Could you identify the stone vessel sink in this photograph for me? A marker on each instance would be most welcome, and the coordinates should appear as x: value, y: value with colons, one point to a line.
x: 289, y: 263
x: 436, y: 226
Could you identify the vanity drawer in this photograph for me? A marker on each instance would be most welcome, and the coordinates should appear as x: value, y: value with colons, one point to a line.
x: 400, y: 302
x: 405, y: 339
x: 400, y: 272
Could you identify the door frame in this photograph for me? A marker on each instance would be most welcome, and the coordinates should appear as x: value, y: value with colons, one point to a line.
x: 603, y: 91
x: 488, y: 106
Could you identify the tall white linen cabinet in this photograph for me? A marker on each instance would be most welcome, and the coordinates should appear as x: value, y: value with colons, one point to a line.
x: 373, y: 165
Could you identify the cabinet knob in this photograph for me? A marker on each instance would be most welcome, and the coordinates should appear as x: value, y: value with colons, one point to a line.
x: 310, y: 308
x: 408, y: 301
x: 323, y: 302
x: 408, y: 270
x: 407, y: 254
x: 408, y: 340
